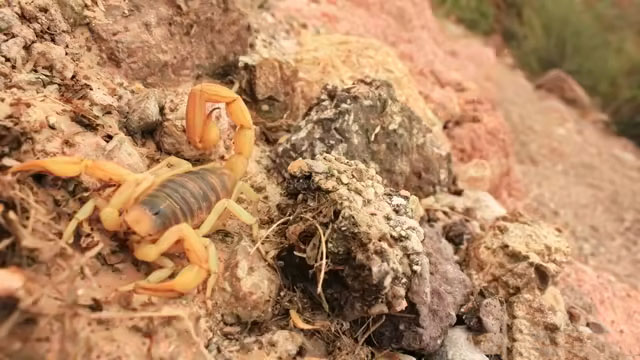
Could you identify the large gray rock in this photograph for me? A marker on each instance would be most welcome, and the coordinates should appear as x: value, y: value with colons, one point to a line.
x: 366, y: 122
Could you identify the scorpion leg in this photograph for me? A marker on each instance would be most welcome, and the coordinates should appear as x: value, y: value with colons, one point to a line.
x: 235, y: 209
x: 85, y: 211
x: 191, y: 276
x: 167, y: 267
x: 185, y: 281
x: 213, y: 264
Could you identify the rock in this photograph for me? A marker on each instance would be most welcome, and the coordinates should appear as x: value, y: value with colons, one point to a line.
x: 437, y: 309
x: 13, y: 50
x: 519, y: 260
x: 457, y: 232
x: 155, y: 53
x: 390, y: 355
x: 492, y: 344
x: 384, y: 262
x: 479, y: 205
x: 458, y: 346
x: 171, y: 136
x: 492, y: 315
x: 73, y: 11
x: 284, y: 344
x: 249, y: 286
x: 366, y: 122
x: 565, y: 87
x: 50, y: 56
x: 144, y: 112
x: 24, y: 32
x: 340, y: 59
x: 122, y: 151
x: 474, y: 175
x: 45, y: 17
x: 8, y: 19
x: 516, y: 255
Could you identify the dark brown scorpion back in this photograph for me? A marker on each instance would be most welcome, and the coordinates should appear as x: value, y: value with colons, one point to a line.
x: 188, y: 197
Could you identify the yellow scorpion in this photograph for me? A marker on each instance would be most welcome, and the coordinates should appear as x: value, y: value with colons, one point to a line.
x: 172, y: 201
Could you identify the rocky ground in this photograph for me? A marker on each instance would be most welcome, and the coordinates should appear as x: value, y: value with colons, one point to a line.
x: 385, y: 175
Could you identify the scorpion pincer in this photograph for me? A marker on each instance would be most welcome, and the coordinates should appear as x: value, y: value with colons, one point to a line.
x: 172, y: 203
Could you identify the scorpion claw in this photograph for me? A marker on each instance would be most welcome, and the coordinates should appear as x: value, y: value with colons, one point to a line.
x: 70, y: 166
x: 188, y: 279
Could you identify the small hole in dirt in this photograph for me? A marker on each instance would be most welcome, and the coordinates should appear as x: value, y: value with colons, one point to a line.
x: 7, y: 306
x: 542, y: 275
x: 107, y: 138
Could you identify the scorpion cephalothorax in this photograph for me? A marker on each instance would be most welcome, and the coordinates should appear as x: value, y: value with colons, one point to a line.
x: 163, y: 205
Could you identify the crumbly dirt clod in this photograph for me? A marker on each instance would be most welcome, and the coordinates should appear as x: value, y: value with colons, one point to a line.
x: 366, y: 122
x: 518, y: 260
x: 248, y: 285
x: 515, y: 255
x: 379, y: 261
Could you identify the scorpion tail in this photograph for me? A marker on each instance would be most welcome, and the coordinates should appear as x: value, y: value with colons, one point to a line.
x: 204, y: 134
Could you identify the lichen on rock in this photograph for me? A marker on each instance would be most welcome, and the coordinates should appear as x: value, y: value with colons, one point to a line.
x: 366, y: 122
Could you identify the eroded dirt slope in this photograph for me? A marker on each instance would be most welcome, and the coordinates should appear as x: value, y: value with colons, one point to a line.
x: 573, y: 173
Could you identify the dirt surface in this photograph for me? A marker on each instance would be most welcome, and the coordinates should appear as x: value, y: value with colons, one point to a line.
x: 110, y: 81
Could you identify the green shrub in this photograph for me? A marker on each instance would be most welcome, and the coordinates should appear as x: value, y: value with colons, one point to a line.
x: 476, y: 15
x: 597, y: 42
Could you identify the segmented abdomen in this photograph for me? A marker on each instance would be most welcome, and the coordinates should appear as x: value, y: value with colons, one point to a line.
x: 187, y: 197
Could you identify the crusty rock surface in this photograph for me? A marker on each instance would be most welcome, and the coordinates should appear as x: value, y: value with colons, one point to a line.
x: 248, y: 285
x: 517, y: 254
x: 518, y: 260
x: 381, y: 260
x: 366, y: 122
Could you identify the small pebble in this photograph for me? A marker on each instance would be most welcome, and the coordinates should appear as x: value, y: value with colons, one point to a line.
x: 230, y: 330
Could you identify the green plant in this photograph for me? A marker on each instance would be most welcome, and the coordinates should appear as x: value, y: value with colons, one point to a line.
x: 477, y: 15
x: 596, y: 41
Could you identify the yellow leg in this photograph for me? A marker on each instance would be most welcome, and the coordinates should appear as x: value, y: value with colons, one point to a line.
x: 235, y: 209
x: 243, y: 188
x: 110, y: 215
x: 167, y: 268
x: 191, y: 276
x: 193, y: 247
x: 85, y: 211
x: 188, y: 279
x: 68, y: 166
x: 213, y: 264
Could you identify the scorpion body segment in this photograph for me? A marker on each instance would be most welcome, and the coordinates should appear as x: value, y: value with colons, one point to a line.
x: 165, y: 204
x: 183, y: 198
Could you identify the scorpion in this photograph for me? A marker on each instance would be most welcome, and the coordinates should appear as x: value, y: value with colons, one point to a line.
x: 173, y: 203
